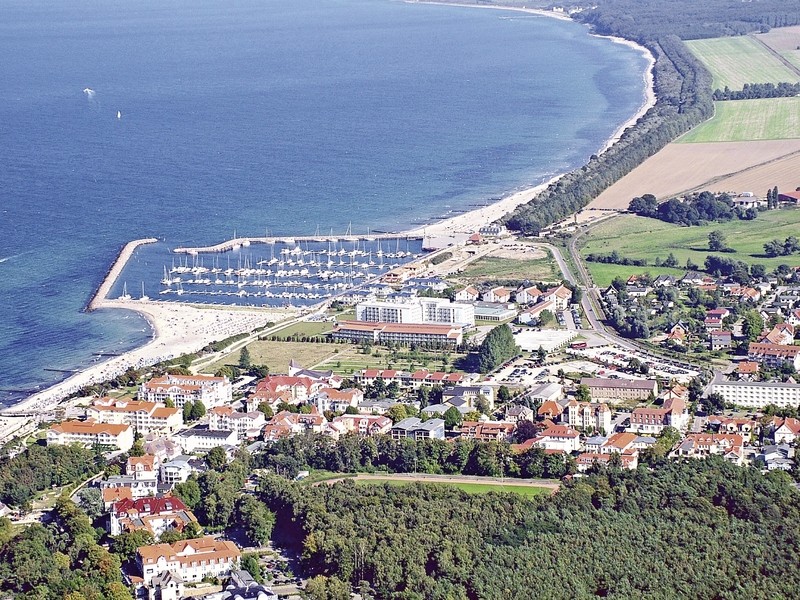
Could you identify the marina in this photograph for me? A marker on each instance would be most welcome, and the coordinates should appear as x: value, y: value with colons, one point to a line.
x: 295, y: 272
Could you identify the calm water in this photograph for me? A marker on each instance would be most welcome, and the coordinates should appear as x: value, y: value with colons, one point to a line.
x: 252, y: 115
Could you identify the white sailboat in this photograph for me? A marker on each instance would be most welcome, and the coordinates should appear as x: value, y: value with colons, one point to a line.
x: 125, y: 295
x: 144, y: 297
x: 119, y: 115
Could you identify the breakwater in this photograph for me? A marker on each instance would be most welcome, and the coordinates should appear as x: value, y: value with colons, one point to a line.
x: 243, y: 242
x: 114, y: 272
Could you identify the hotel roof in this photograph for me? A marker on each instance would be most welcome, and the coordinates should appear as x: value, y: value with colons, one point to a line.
x: 88, y: 428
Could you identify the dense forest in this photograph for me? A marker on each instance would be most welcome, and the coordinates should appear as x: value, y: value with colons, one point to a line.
x: 699, y: 529
x: 682, y: 86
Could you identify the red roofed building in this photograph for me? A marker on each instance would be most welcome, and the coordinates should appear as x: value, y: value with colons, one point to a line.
x: 487, y: 430
x: 192, y: 560
x: 153, y: 514
x: 549, y: 410
x: 144, y: 417
x: 785, y: 431
x: 299, y: 388
x: 782, y: 333
x: 364, y: 425
x: 791, y: 197
x: 702, y: 445
x: 587, y: 415
x: 399, y: 333
x: 559, y: 296
x: 774, y: 355
x: 585, y: 461
x: 619, y: 442
x: 558, y: 437
x: 653, y: 420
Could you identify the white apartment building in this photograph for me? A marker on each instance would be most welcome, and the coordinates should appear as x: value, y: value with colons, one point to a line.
x: 144, y: 417
x: 757, y: 394
x: 417, y: 310
x: 244, y: 424
x: 212, y: 391
x: 89, y: 433
x: 201, y: 439
x: 191, y: 560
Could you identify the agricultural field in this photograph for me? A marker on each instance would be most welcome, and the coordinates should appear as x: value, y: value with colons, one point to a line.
x: 785, y: 41
x: 733, y: 166
x: 643, y: 238
x: 747, y: 120
x: 734, y: 61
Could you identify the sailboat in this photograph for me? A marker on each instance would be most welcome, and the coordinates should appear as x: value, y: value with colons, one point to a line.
x: 125, y: 295
x: 144, y: 297
x: 119, y: 115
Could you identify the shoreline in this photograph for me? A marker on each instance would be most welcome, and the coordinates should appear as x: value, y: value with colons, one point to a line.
x: 183, y: 328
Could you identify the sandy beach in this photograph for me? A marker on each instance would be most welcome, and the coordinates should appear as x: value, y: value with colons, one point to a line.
x: 177, y: 329
x: 180, y: 329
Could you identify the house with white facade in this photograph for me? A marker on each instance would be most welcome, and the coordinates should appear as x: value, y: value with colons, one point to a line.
x: 192, y: 560
x: 90, y: 434
x: 145, y: 417
x: 180, y: 389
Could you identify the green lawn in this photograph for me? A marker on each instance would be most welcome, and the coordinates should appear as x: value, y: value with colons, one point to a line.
x: 306, y: 328
x: 734, y: 61
x: 276, y: 355
x: 349, y: 360
x: 470, y: 488
x: 747, y: 120
x: 640, y: 237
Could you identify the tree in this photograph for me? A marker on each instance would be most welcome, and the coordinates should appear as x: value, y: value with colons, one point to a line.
x: 91, y: 501
x: 321, y: 587
x: 503, y: 394
x: 266, y: 409
x: 546, y: 317
x: 198, y: 410
x: 452, y: 418
x: 525, y: 430
x: 217, y: 458
x: 482, y: 404
x: 169, y: 403
x: 138, y: 447
x: 251, y: 565
x: 715, y: 403
x: 189, y: 492
x: 582, y: 393
x: 716, y: 241
x: 187, y: 412
x: 256, y: 519
x: 498, y: 347
x: 423, y: 396
x: 773, y: 248
x: 244, y: 358
x: 125, y: 545
x: 752, y: 324
x: 116, y: 590
x: 541, y: 355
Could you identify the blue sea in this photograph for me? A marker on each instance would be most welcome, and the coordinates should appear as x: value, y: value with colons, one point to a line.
x: 187, y: 121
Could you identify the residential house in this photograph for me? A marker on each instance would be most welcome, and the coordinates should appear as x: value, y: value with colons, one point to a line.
x: 720, y: 339
x: 337, y: 400
x: 415, y: 428
x: 178, y: 470
x: 701, y: 445
x: 775, y: 458
x: 587, y: 460
x: 528, y: 295
x: 558, y: 437
x: 782, y: 333
x: 469, y: 393
x: 621, y: 443
x: 714, y: 318
x: 487, y: 430
x: 550, y: 409
x: 191, y: 560
x: 467, y: 294
x: 143, y: 467
x: 587, y: 415
x: 785, y: 430
x: 438, y: 410
x: 364, y: 425
x: 498, y: 294
x: 129, y: 486
x: 532, y: 315
x: 515, y: 413
x: 560, y: 296
x: 747, y: 370
x: 90, y: 434
x: 665, y: 281
x: 745, y: 427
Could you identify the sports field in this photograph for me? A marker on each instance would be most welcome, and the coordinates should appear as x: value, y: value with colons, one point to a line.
x: 640, y: 237
x: 748, y: 120
x: 734, y: 61
x: 470, y: 488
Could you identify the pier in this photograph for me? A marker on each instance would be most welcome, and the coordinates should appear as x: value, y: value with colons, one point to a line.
x: 114, y: 272
x: 243, y: 242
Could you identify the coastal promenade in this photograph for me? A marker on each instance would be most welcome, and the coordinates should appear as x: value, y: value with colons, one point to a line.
x: 114, y: 272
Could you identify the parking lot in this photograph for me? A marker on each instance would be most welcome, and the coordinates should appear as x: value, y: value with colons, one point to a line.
x: 614, y: 355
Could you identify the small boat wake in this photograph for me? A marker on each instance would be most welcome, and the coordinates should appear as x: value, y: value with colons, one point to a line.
x: 8, y: 258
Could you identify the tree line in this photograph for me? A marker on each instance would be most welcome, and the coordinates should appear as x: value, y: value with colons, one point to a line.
x: 695, y: 529
x: 752, y: 91
x: 694, y: 209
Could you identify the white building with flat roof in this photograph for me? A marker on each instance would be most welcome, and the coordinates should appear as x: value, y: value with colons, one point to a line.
x: 417, y: 310
x: 758, y: 394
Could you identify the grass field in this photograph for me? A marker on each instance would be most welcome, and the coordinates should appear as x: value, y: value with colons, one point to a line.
x: 471, y: 488
x: 276, y: 355
x: 640, y: 237
x: 734, y: 61
x: 307, y: 328
x: 349, y: 360
x: 492, y: 268
x: 748, y: 120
